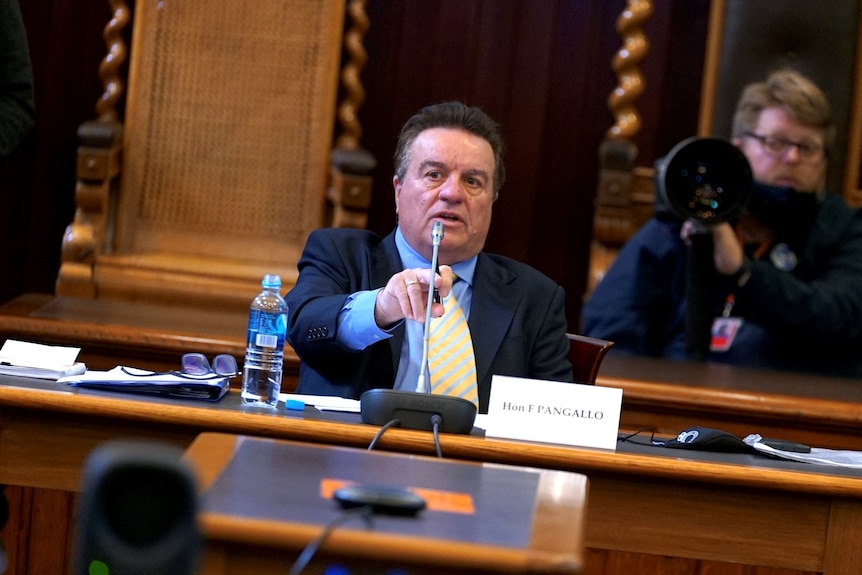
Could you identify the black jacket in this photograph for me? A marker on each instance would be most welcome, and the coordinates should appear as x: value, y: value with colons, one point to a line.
x: 805, y: 319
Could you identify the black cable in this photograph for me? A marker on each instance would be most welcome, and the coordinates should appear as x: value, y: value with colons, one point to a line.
x: 4, y: 518
x: 624, y: 437
x: 380, y: 433
x: 436, y: 422
x: 308, y: 552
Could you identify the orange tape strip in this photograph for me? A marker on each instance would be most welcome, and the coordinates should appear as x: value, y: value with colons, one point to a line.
x: 436, y: 500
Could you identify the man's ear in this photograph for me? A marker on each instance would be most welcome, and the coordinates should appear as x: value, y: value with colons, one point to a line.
x: 396, y: 185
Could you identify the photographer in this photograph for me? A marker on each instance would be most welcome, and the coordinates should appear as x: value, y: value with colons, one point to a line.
x: 786, y: 292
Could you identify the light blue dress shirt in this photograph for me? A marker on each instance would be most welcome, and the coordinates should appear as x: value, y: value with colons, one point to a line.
x: 357, y: 328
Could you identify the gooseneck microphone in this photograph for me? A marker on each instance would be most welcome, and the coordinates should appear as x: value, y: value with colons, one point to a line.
x: 420, y: 409
x: 436, y: 238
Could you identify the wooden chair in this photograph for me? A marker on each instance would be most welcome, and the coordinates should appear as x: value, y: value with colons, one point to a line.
x: 746, y: 40
x: 223, y: 157
x: 586, y: 355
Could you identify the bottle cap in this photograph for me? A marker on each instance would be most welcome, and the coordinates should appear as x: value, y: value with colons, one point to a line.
x: 271, y: 281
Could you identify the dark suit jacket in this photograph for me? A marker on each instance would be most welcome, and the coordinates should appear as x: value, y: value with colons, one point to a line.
x: 517, y: 321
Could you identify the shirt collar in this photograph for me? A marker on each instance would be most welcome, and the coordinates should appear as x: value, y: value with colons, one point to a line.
x: 410, y: 258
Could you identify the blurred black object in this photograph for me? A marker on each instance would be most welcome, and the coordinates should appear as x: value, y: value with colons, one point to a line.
x: 707, y: 180
x: 4, y: 517
x: 137, y: 512
x: 700, y: 279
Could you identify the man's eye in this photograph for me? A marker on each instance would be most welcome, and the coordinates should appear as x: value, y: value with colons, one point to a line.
x: 433, y: 175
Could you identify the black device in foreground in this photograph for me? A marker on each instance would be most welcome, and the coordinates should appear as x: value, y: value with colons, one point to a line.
x: 381, y: 498
x: 137, y: 512
x: 415, y: 410
x: 786, y: 445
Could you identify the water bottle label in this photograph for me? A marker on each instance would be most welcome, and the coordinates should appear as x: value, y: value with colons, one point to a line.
x: 267, y: 329
x: 266, y: 340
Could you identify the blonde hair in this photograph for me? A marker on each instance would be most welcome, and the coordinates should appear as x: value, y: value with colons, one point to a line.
x: 788, y: 89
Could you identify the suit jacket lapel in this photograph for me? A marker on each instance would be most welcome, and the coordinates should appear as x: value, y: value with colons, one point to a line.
x: 491, y: 311
x: 384, y: 263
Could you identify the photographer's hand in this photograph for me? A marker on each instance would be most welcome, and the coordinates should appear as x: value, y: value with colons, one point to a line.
x: 727, y: 250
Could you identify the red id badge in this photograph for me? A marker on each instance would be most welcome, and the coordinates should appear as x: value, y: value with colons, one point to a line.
x: 724, y: 330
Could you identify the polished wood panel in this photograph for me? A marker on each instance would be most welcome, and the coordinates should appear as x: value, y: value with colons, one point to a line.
x: 669, y: 396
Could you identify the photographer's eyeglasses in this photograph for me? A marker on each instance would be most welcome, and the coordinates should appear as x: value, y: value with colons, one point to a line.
x: 197, y: 366
x: 777, y: 147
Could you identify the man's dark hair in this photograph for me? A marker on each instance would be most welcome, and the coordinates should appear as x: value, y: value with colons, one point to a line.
x: 452, y: 115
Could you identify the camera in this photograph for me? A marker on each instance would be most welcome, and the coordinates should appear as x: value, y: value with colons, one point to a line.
x: 704, y: 179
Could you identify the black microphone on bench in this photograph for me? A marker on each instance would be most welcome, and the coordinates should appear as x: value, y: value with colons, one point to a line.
x: 137, y: 512
x: 416, y: 409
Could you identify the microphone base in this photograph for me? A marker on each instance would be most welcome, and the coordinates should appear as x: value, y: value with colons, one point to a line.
x: 414, y: 410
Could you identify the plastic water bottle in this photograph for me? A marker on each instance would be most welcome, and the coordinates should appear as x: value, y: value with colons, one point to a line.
x: 264, y: 355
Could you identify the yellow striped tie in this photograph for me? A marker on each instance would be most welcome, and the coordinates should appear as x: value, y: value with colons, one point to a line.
x: 451, y: 362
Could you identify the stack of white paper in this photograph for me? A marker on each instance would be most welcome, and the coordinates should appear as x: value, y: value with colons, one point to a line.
x: 173, y: 384
x: 38, y: 360
x: 817, y: 455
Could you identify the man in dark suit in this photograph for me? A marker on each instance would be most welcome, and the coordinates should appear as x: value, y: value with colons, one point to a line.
x: 357, y: 311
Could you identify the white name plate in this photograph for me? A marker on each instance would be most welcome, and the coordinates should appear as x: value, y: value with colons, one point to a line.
x: 554, y: 412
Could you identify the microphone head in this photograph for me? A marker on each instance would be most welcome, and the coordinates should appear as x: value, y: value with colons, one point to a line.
x: 437, y: 233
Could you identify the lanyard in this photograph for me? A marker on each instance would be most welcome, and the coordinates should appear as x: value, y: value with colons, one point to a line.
x: 730, y: 300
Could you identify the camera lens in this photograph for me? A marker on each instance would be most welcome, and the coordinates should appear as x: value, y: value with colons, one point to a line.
x: 706, y: 179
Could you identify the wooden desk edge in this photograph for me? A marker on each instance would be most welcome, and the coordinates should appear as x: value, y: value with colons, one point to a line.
x: 464, y: 447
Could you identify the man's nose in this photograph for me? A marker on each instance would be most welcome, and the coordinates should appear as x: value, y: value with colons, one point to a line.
x: 792, y: 154
x: 452, y: 189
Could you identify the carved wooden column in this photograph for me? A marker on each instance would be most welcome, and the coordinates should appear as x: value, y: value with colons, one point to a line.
x: 349, y: 193
x: 98, y: 165
x: 613, y: 217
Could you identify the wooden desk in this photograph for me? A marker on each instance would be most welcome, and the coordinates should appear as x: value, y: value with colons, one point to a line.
x: 670, y: 396
x: 662, y: 395
x: 148, y: 336
x: 690, y: 505
x: 480, y: 518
